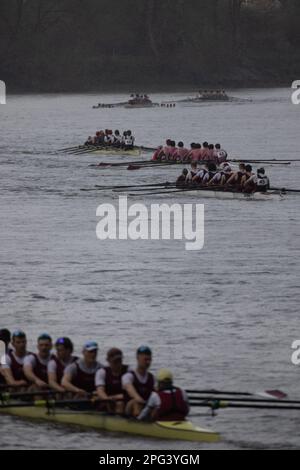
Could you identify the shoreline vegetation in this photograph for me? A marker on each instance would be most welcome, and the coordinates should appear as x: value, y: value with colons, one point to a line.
x: 74, y: 46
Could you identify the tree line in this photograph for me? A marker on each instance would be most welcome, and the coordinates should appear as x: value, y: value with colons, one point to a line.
x: 56, y: 45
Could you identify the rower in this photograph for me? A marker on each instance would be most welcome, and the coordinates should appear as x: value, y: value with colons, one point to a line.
x: 198, y: 178
x: 263, y: 182
x: 166, y: 150
x: 12, y: 366
x: 221, y: 177
x: 249, y: 180
x: 172, y: 151
x: 212, y: 169
x: 35, y: 364
x: 182, y: 179
x: 235, y: 179
x: 193, y: 172
x: 169, y: 403
x: 205, y: 154
x: 129, y: 141
x: 107, y: 138
x: 196, y: 153
x: 89, y: 141
x: 108, y: 382
x: 117, y: 139
x: 79, y: 377
x: 59, y: 362
x: 158, y: 154
x: 138, y: 384
x: 5, y: 337
x: 182, y: 152
x: 211, y: 149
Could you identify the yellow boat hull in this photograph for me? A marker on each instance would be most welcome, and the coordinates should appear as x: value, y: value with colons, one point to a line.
x: 181, y: 431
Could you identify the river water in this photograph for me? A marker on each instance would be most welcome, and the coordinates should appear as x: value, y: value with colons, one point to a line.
x: 223, y: 317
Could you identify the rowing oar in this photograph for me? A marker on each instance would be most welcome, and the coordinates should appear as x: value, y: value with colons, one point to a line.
x: 195, y: 188
x: 69, y: 148
x: 117, y: 164
x: 153, y: 185
x: 243, y: 400
x: 278, y: 394
x: 142, y: 187
x: 215, y: 405
x: 286, y: 190
x: 267, y: 162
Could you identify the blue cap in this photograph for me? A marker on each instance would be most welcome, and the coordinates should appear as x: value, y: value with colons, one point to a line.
x: 144, y: 350
x: 44, y: 336
x: 90, y: 346
x: 19, y: 334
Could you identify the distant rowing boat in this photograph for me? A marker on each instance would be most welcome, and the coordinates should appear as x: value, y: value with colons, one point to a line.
x: 181, y: 431
x: 212, y: 97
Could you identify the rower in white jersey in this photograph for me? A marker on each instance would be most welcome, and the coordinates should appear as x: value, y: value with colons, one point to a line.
x: 138, y: 384
x: 117, y: 139
x: 212, y: 169
x: 192, y: 173
x: 129, y: 141
x: 79, y: 377
x: 221, y: 176
x: 36, y: 364
x: 57, y: 365
x: 12, y: 364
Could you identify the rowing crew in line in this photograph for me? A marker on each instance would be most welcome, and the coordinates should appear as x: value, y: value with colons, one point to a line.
x: 209, y: 176
x: 109, y: 139
x: 120, y: 389
x: 197, y: 152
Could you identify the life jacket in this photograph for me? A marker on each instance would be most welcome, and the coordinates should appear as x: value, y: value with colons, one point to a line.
x: 84, y: 380
x: 113, y: 383
x: 222, y: 156
x: 262, y: 184
x: 41, y: 370
x: 60, y: 367
x: 143, y: 389
x: 129, y: 141
x: 173, y: 406
x: 16, y: 368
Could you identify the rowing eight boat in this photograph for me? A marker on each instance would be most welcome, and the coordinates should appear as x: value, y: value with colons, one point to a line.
x: 181, y: 431
x: 219, y: 194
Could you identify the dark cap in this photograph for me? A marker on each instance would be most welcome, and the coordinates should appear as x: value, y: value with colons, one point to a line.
x: 114, y: 354
x: 144, y: 350
x: 66, y: 342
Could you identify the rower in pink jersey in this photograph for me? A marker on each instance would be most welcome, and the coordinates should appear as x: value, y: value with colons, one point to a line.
x: 173, y: 151
x: 205, y: 154
x: 158, y: 154
x: 165, y: 152
x: 195, y: 153
x: 182, y: 152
